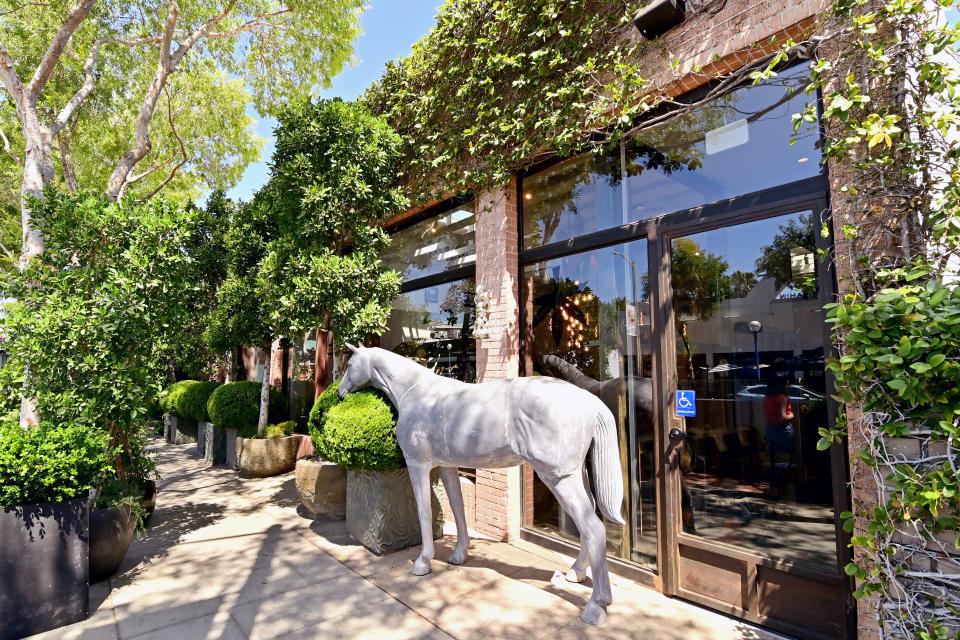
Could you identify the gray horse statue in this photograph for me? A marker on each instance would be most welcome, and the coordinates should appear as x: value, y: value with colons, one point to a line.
x: 548, y: 423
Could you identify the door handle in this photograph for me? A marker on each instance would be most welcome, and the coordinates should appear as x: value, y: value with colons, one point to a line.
x: 677, y: 437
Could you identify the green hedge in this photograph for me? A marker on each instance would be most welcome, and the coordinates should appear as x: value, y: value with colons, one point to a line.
x: 327, y: 399
x: 170, y: 396
x: 49, y: 463
x: 360, y: 433
x: 192, y: 401
x: 236, y: 405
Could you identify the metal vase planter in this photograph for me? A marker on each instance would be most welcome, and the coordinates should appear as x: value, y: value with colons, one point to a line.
x: 44, y: 566
x: 111, y: 532
x: 382, y: 512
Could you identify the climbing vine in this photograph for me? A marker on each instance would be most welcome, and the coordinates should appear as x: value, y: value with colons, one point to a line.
x: 496, y: 86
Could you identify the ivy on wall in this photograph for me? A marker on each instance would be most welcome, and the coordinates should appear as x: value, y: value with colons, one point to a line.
x: 497, y: 85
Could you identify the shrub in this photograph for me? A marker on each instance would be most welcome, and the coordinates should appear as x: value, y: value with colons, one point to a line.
x: 281, y: 430
x: 236, y: 405
x: 360, y: 433
x: 192, y: 401
x: 170, y: 397
x: 327, y: 399
x: 118, y: 494
x: 50, y: 463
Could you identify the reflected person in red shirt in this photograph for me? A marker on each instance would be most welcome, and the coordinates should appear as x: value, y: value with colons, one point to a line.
x: 779, y: 432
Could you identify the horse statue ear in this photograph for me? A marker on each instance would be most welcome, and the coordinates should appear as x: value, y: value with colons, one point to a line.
x: 353, y: 348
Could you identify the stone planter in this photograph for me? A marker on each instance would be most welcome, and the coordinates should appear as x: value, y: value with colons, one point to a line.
x: 322, y: 487
x: 201, y: 439
x: 111, y: 532
x: 186, y: 430
x: 265, y: 457
x: 169, y: 428
x: 44, y: 566
x: 230, y: 438
x: 382, y: 512
x: 215, y: 442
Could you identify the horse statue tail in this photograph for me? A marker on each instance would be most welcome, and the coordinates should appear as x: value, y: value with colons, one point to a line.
x: 607, y: 474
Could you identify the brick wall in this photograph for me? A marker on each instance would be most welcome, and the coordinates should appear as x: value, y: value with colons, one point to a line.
x: 497, y: 498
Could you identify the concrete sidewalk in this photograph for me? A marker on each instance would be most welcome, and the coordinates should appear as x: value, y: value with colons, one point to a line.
x: 227, y: 557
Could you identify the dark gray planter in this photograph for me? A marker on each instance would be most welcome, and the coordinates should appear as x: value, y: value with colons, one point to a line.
x: 149, y: 500
x: 215, y: 450
x: 186, y: 430
x: 382, y: 512
x: 169, y: 427
x: 111, y: 532
x: 230, y: 438
x: 44, y: 566
x: 201, y: 439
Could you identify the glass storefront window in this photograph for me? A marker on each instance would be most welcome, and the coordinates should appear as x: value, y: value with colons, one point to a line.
x: 434, y: 327
x: 750, y: 342
x: 433, y: 246
x: 736, y: 144
x: 588, y: 322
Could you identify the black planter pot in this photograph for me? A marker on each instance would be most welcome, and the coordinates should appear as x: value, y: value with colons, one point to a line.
x: 43, y: 566
x: 111, y: 532
x: 149, y: 499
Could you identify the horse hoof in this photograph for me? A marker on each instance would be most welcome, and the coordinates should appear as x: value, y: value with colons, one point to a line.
x: 421, y: 567
x: 594, y: 614
x: 576, y: 576
x: 458, y: 557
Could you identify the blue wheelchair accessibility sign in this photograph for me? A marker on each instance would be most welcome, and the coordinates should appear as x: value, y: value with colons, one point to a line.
x: 686, y: 403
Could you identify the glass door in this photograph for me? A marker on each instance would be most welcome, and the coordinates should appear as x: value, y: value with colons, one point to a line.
x: 756, y: 527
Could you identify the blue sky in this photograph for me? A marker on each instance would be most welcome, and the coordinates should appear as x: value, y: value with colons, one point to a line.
x: 390, y: 28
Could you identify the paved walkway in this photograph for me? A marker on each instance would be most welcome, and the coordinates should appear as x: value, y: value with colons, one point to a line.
x: 227, y: 557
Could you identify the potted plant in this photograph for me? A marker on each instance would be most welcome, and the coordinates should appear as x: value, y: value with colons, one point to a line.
x: 119, y: 512
x: 234, y: 408
x: 46, y: 473
x: 360, y: 435
x: 321, y: 484
x: 269, y: 453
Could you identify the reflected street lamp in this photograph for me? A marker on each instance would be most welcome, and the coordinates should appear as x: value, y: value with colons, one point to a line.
x: 755, y: 327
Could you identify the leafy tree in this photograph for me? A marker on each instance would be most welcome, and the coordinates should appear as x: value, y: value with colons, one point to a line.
x: 61, y: 63
x: 333, y: 178
x: 743, y: 283
x: 97, y: 315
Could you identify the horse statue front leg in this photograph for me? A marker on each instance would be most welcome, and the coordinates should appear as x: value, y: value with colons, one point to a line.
x: 451, y: 484
x: 420, y: 478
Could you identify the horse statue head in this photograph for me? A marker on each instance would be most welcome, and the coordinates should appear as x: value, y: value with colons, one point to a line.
x: 358, y: 372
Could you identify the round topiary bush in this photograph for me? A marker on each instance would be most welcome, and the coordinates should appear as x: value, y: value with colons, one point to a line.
x: 191, y: 402
x: 236, y: 405
x: 324, y: 403
x: 50, y: 463
x: 170, y: 396
x: 360, y: 433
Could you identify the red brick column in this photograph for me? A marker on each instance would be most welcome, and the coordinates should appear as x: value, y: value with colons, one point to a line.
x: 498, y: 499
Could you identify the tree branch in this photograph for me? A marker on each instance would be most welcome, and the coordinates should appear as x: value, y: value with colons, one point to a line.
x: 81, y: 95
x: 11, y: 81
x: 48, y: 63
x: 142, y: 145
x: 249, y: 25
x: 183, y: 150
x: 201, y: 32
x: 6, y: 147
x: 66, y: 159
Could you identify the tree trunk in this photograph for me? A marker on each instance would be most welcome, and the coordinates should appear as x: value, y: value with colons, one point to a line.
x: 265, y: 391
